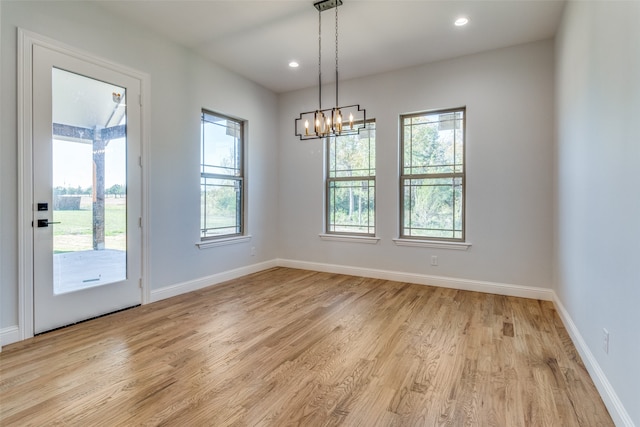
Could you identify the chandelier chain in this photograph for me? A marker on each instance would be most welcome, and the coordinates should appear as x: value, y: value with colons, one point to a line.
x: 337, y: 4
x: 336, y: 38
x: 319, y: 60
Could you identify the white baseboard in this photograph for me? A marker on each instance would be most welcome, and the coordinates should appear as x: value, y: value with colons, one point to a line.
x: 422, y: 279
x: 616, y: 409
x: 194, y: 285
x: 9, y: 335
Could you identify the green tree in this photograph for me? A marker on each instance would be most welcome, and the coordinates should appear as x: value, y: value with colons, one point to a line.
x: 116, y: 190
x: 432, y: 202
x: 352, y: 156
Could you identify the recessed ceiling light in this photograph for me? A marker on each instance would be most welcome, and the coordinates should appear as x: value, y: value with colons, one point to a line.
x: 293, y: 64
x: 461, y: 21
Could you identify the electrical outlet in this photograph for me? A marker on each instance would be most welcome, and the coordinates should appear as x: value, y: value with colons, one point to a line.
x: 434, y: 260
x: 253, y: 251
x: 605, y: 340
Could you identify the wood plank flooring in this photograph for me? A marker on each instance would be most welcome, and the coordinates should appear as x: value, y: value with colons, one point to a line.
x: 293, y: 347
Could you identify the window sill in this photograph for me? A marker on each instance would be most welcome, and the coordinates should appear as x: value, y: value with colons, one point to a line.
x: 458, y: 246
x: 205, y: 244
x: 352, y: 239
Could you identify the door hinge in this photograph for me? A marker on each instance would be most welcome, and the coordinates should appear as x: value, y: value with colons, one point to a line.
x: 140, y: 161
x: 140, y: 222
x: 140, y: 283
x: 140, y: 99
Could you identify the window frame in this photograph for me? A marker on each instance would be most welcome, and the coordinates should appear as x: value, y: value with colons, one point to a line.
x: 240, y: 179
x: 329, y: 180
x: 450, y: 175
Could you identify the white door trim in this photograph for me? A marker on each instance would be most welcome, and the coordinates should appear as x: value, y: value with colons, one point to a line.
x: 26, y: 41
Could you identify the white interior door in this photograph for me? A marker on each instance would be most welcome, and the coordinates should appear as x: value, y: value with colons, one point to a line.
x: 86, y: 190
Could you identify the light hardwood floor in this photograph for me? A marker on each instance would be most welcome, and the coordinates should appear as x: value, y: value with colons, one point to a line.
x: 293, y: 347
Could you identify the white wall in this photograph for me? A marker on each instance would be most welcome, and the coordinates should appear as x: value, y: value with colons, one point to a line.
x: 181, y: 84
x: 509, y: 96
x: 598, y: 208
x: 509, y: 99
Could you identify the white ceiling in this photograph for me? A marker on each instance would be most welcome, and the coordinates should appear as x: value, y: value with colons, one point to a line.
x: 258, y: 38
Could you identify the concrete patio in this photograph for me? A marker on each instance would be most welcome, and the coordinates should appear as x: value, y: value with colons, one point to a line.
x: 74, y: 271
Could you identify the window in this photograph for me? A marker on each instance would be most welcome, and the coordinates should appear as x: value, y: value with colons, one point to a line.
x: 221, y: 176
x: 351, y: 183
x: 432, y: 175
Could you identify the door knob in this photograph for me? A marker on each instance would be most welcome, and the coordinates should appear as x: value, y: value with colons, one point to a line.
x: 45, y: 223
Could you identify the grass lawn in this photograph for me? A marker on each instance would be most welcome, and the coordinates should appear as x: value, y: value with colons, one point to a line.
x: 75, y: 231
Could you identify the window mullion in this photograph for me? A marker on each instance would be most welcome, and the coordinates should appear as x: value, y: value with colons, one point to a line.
x: 346, y: 211
x: 223, y: 194
x: 428, y: 201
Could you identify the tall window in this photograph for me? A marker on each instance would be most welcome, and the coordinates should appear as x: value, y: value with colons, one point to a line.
x: 351, y: 183
x: 221, y: 176
x: 432, y: 175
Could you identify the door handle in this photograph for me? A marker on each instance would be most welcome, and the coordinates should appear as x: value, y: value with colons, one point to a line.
x: 45, y: 223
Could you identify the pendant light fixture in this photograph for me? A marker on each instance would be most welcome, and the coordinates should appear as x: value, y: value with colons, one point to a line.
x: 337, y: 120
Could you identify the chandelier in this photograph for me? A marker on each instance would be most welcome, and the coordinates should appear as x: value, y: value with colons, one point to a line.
x: 337, y: 120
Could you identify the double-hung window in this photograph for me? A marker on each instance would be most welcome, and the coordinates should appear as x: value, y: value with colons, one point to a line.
x: 351, y: 183
x: 222, y: 183
x: 432, y: 181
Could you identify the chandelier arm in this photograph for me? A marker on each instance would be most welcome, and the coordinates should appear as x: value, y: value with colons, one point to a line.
x: 337, y: 120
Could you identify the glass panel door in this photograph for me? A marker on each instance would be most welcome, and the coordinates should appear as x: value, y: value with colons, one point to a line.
x: 87, y: 189
x: 89, y: 182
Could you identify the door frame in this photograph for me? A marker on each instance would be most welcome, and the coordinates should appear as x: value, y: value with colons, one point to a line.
x: 26, y: 41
